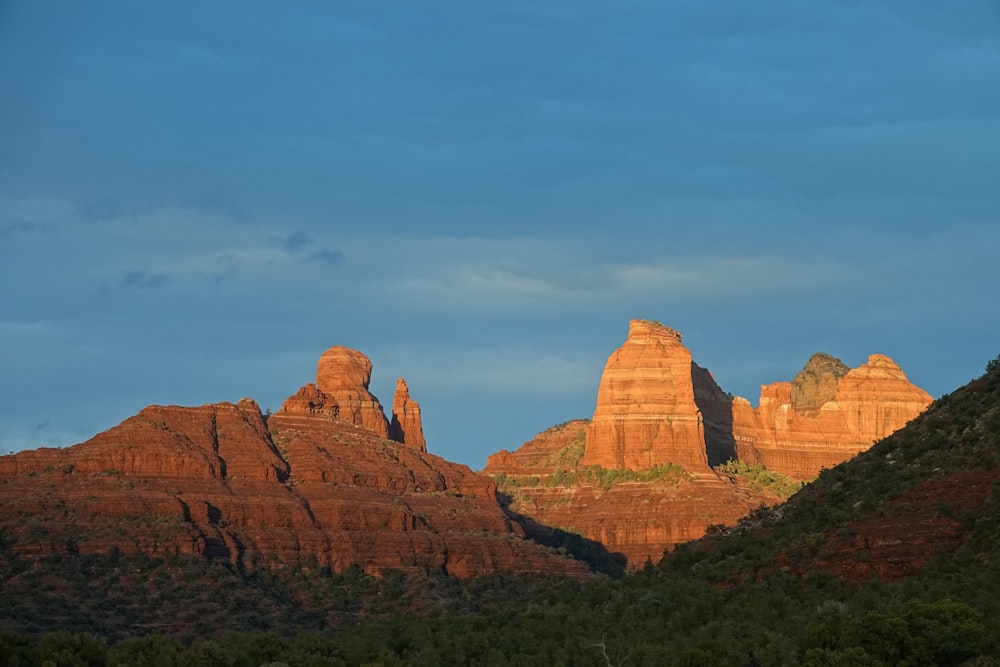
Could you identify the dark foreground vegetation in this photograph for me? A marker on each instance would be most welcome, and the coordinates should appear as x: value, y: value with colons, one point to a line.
x: 768, y: 592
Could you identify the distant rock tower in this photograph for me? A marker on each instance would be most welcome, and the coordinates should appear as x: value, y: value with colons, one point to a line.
x: 646, y: 412
x: 341, y: 392
x: 406, y: 426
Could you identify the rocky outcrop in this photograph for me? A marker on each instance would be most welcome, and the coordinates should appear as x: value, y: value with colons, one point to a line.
x: 655, y: 406
x: 646, y: 412
x: 869, y: 403
x: 341, y: 391
x: 309, y: 400
x: 558, y: 447
x: 877, y: 399
x: 214, y: 481
x: 304, y: 485
x: 406, y: 426
x: 639, y: 520
x: 817, y: 383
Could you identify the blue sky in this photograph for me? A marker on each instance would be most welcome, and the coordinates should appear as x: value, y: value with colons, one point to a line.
x: 197, y: 199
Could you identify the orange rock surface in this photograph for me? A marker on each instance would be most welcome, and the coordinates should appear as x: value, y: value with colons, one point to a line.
x: 655, y: 406
x: 540, y: 455
x: 640, y: 520
x: 342, y: 376
x: 865, y: 405
x: 646, y: 412
x: 300, y: 486
x: 406, y: 426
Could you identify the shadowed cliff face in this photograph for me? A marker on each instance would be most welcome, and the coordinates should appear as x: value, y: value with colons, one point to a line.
x: 716, y: 408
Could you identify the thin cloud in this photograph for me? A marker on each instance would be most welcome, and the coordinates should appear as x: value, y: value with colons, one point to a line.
x: 143, y: 279
x: 504, y: 370
x: 327, y: 257
x: 529, y: 275
x: 294, y: 242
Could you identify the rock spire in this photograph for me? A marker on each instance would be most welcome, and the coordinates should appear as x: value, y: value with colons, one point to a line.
x: 406, y: 426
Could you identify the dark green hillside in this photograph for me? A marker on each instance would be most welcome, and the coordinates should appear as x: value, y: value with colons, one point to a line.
x: 892, y: 558
x: 924, y: 492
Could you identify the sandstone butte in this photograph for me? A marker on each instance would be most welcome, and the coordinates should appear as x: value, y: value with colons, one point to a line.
x: 316, y: 482
x: 645, y: 413
x: 655, y: 406
x: 826, y: 415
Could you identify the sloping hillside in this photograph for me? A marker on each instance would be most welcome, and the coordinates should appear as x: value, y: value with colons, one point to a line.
x: 929, y: 490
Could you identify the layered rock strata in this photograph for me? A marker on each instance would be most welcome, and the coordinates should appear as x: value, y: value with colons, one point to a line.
x: 646, y: 412
x: 302, y: 486
x: 799, y: 436
x: 216, y: 481
x: 640, y: 520
x: 343, y: 375
x: 554, y: 448
x: 341, y: 393
x: 406, y: 426
x: 655, y: 407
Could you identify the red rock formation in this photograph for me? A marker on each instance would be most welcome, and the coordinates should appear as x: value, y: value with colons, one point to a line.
x: 341, y: 391
x: 716, y: 409
x: 221, y: 481
x: 640, y: 520
x: 406, y: 426
x: 543, y: 454
x: 656, y: 406
x: 877, y: 400
x: 646, y: 412
x: 870, y: 402
x: 309, y: 400
x: 637, y: 520
x: 817, y: 383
